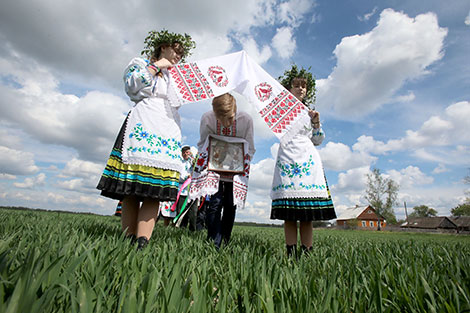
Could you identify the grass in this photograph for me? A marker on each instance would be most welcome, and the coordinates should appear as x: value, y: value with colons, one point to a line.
x: 60, y: 262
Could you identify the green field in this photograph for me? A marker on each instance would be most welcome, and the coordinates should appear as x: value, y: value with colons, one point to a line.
x: 61, y: 262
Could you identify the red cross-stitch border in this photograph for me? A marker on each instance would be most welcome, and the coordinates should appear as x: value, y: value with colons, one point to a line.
x: 190, y: 82
x: 280, y: 112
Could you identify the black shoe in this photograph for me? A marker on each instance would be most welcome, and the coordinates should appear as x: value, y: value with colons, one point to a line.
x: 305, y: 250
x: 291, y: 251
x: 141, y: 242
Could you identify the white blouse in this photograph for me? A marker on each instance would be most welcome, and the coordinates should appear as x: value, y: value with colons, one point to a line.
x: 153, y: 132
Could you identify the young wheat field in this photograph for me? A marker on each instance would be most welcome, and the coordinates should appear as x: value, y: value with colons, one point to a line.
x: 62, y: 262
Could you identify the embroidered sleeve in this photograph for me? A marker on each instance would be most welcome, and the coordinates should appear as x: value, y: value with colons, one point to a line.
x: 317, y: 136
x: 204, y: 131
x: 138, y: 81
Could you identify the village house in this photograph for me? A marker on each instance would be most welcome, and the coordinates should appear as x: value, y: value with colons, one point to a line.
x: 360, y: 217
x: 435, y: 224
x: 463, y: 223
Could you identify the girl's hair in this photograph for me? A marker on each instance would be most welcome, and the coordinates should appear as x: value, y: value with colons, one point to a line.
x: 298, y: 81
x: 175, y: 45
x: 224, y: 106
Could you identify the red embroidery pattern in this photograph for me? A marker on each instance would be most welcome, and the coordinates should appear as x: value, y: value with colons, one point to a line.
x: 239, y: 190
x: 190, y: 82
x: 206, y: 181
x: 263, y: 91
x: 280, y: 112
x: 227, y: 131
x: 201, y: 163
x: 246, y: 165
x: 218, y: 76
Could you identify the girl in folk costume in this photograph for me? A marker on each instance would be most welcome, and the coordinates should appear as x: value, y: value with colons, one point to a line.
x: 299, y: 191
x: 145, y: 162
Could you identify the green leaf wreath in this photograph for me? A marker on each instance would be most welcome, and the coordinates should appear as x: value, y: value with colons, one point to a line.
x: 156, y: 39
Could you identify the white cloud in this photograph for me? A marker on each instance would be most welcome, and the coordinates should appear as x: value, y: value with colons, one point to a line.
x: 113, y: 35
x: 441, y: 168
x: 32, y: 182
x: 467, y: 19
x: 409, y: 177
x: 440, y: 198
x: 16, y: 162
x: 88, y: 124
x: 371, y: 67
x: 80, y: 168
x: 7, y: 176
x: 447, y: 129
x: 367, y: 144
x: 256, y: 210
x: 251, y: 47
x: 339, y: 157
x: 293, y: 12
x: 458, y: 155
x: 367, y: 16
x: 406, y: 98
x: 284, y: 42
x: 10, y: 141
x: 72, y: 184
x: 84, y: 175
x: 353, y: 181
x: 261, y: 176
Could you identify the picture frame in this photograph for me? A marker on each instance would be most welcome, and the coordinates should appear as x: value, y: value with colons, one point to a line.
x: 225, y: 157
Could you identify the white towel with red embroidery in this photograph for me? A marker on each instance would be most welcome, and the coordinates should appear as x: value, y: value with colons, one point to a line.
x: 208, y: 78
x: 205, y: 182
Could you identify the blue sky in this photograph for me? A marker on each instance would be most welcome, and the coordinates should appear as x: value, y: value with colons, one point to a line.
x: 393, y: 82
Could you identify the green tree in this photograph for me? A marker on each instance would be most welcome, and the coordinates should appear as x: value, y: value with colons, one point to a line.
x: 464, y: 208
x: 423, y: 211
x: 382, y: 193
x: 466, y: 180
x: 461, y: 210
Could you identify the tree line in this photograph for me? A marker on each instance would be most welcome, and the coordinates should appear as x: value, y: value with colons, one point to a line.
x: 382, y: 194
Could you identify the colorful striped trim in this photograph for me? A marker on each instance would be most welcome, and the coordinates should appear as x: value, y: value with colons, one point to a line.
x: 146, y: 175
x: 304, y: 204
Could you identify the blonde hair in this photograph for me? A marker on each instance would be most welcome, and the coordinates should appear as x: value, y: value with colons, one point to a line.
x: 224, y: 106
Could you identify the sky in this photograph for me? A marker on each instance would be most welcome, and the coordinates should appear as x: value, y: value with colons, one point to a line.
x: 393, y: 91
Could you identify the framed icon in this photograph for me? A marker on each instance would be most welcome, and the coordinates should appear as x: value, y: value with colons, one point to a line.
x: 225, y: 156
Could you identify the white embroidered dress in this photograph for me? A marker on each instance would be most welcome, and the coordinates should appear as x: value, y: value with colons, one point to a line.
x: 298, y: 172
x: 153, y: 131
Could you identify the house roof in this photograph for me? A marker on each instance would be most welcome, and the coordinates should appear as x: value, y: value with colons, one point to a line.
x: 352, y: 213
x: 430, y: 222
x: 461, y: 221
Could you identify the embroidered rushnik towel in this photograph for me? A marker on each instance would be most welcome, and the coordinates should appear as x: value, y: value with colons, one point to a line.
x: 208, y: 78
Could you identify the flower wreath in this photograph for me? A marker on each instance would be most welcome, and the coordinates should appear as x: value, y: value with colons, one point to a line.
x: 289, y: 75
x: 155, y: 40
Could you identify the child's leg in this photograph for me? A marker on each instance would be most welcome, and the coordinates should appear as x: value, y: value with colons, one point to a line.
x: 290, y: 232
x: 130, y: 209
x: 306, y: 234
x: 166, y: 221
x: 146, y: 218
